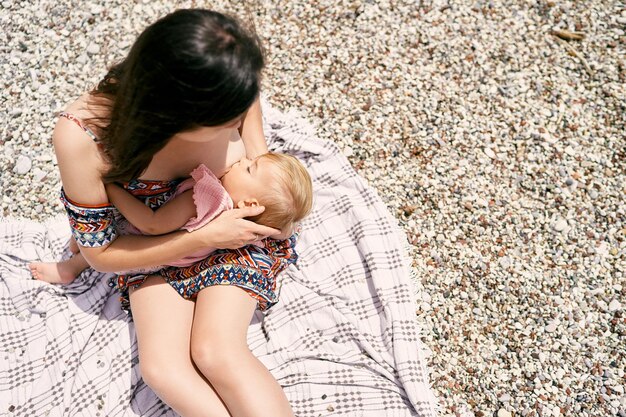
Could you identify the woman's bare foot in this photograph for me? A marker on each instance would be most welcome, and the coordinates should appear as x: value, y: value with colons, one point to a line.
x: 62, y: 272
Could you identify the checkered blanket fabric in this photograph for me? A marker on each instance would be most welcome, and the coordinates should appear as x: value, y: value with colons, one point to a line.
x: 343, y: 339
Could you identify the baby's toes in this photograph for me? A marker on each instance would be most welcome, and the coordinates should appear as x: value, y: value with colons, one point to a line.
x: 34, y: 270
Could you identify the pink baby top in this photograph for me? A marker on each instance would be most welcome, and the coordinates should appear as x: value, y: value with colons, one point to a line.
x: 210, y: 199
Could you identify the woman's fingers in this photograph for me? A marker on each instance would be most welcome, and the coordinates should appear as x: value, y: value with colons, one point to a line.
x: 258, y: 230
x: 263, y: 231
x: 231, y: 230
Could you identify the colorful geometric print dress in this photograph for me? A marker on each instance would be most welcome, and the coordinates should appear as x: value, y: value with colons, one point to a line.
x: 253, y: 268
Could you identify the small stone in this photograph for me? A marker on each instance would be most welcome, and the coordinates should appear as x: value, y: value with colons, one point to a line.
x: 23, y: 165
x: 602, y: 305
x: 15, y: 112
x: 93, y: 49
x: 551, y: 327
x: 593, y: 194
x: 504, y: 413
x: 560, y: 225
x: 490, y: 153
x: 615, y: 305
x: 38, y: 174
x: 505, y: 262
x: 504, y: 398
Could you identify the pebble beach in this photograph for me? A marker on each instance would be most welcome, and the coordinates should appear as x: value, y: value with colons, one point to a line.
x: 494, y: 131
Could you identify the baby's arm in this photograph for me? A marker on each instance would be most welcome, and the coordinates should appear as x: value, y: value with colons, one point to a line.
x: 167, y: 218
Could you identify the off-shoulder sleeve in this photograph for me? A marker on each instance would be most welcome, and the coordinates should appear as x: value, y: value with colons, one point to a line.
x: 92, y: 226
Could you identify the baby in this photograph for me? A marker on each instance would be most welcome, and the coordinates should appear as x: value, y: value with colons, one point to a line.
x: 276, y: 181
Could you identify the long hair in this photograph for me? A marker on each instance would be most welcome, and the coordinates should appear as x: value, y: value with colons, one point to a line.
x: 189, y: 69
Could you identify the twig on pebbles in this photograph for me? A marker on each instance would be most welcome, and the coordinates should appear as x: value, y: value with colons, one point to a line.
x: 568, y: 35
x: 573, y: 51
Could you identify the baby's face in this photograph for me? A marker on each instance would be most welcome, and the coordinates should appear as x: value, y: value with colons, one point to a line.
x: 249, y: 179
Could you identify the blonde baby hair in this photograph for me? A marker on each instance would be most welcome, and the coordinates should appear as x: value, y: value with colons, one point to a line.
x: 291, y: 195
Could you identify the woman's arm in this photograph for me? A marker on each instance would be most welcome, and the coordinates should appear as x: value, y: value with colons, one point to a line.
x: 229, y: 230
x: 81, y: 167
x: 251, y: 131
x: 169, y: 217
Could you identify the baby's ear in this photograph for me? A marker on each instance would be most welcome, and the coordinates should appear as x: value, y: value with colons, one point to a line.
x: 248, y: 202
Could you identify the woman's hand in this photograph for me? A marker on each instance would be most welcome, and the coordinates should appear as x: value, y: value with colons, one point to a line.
x: 230, y: 230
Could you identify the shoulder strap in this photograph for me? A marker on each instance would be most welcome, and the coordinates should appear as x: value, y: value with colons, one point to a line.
x: 76, y: 120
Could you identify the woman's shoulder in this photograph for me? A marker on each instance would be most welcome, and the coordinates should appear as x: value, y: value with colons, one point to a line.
x: 84, y: 110
x: 71, y: 135
x: 80, y: 159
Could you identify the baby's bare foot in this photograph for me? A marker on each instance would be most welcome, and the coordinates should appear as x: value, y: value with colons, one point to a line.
x: 52, y: 272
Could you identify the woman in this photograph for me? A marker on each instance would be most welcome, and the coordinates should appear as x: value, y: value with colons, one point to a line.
x: 186, y: 94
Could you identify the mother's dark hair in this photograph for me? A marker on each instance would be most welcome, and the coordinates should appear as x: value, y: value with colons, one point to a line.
x: 191, y: 68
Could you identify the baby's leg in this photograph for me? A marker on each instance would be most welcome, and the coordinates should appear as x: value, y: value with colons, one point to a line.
x: 62, y: 272
x: 220, y: 350
x: 73, y: 245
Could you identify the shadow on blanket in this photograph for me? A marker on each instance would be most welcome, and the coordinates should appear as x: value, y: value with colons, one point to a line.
x: 342, y: 340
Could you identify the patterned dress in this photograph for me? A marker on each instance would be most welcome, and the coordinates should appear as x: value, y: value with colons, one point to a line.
x: 253, y: 268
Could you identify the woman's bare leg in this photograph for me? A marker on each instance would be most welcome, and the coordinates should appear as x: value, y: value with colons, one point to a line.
x: 220, y: 350
x: 163, y: 321
x: 62, y: 272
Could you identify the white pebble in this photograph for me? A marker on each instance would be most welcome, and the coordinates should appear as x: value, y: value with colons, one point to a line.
x: 38, y: 174
x: 23, y: 165
x: 615, y: 305
x: 490, y: 153
x: 560, y: 225
x: 551, y: 327
x: 93, y: 49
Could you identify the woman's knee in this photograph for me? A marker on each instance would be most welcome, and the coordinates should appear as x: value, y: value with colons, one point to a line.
x: 159, y: 373
x: 216, y: 358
